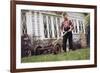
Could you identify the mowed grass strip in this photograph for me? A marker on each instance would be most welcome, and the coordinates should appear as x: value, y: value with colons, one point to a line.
x: 80, y: 54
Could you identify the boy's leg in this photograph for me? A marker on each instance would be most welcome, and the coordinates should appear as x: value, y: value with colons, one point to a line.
x: 70, y: 39
x: 64, y: 42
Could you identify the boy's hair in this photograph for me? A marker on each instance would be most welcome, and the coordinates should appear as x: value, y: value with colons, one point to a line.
x: 64, y: 14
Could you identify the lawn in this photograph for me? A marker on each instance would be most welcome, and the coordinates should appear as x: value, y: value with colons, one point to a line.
x: 80, y: 54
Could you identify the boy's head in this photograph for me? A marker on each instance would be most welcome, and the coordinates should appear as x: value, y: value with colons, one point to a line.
x: 65, y: 16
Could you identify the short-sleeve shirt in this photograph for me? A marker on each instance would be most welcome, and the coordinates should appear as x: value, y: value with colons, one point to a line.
x: 66, y: 25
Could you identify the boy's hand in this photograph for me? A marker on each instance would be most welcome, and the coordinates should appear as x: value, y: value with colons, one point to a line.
x: 71, y: 28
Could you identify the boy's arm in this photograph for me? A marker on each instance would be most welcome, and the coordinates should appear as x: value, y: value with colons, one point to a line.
x: 62, y: 26
x: 71, y: 26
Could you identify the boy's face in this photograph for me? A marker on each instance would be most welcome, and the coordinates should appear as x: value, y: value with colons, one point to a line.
x: 65, y: 17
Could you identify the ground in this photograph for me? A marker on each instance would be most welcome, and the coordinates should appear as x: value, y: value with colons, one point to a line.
x: 80, y: 54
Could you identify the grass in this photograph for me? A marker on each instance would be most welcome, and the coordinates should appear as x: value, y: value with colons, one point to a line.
x: 80, y: 54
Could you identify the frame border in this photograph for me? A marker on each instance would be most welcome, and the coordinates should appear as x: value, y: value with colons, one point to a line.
x: 13, y: 35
